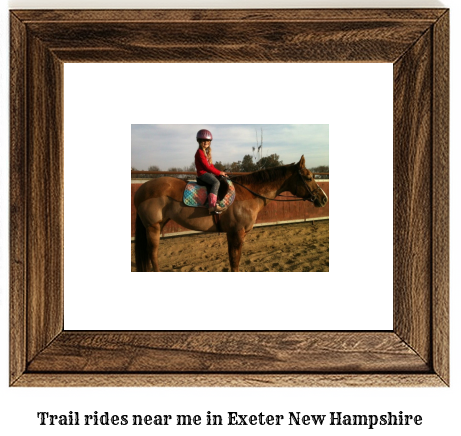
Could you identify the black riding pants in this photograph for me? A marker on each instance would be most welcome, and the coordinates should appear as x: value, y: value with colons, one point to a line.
x: 211, y: 180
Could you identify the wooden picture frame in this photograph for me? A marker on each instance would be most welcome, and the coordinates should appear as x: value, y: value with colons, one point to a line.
x: 414, y: 353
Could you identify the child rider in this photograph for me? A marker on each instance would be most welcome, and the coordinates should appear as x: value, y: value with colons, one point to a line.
x: 206, y: 170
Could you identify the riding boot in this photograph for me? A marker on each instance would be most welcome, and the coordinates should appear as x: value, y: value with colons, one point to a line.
x: 212, y: 199
x: 213, y: 206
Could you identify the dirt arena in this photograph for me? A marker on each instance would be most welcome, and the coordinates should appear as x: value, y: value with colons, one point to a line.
x: 302, y: 247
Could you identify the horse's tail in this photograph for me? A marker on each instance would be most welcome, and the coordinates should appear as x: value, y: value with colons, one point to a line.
x: 140, y: 247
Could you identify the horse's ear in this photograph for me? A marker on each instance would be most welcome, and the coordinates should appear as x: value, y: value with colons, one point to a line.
x: 302, y: 162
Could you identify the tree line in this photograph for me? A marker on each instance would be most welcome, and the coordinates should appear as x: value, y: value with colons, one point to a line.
x: 247, y: 164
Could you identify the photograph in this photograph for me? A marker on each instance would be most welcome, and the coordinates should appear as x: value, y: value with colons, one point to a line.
x: 228, y: 200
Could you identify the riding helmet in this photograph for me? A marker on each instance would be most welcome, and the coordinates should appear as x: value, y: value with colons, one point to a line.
x: 204, y: 134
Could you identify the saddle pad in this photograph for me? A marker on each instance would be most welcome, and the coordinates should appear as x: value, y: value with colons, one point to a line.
x: 197, y: 196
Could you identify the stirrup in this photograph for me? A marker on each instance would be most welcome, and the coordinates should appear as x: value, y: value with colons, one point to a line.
x: 216, y: 210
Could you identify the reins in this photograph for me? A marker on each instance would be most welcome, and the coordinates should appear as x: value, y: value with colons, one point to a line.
x: 274, y: 199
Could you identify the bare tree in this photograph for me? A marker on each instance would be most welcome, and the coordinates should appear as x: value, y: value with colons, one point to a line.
x: 153, y: 176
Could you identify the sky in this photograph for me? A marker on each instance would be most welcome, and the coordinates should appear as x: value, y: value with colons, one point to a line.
x: 174, y: 145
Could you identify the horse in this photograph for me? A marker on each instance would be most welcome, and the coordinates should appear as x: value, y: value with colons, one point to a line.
x: 161, y: 200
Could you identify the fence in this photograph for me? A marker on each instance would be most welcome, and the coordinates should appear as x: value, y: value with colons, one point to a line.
x: 190, y: 173
x: 276, y: 212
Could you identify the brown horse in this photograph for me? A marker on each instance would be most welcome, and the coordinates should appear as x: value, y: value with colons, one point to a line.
x: 160, y: 200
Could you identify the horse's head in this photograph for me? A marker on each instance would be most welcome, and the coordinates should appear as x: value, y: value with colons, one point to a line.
x: 306, y: 186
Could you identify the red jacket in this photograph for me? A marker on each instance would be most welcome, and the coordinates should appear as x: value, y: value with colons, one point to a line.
x: 202, y: 164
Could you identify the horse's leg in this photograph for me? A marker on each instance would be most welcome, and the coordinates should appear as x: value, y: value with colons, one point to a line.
x: 153, y: 241
x: 163, y: 224
x: 235, y: 241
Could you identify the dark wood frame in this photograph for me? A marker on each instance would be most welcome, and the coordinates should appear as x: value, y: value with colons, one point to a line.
x: 415, y: 352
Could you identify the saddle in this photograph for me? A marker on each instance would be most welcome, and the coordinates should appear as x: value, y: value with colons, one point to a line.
x: 196, y: 193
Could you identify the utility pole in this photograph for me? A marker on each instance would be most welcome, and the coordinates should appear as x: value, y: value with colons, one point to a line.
x: 259, y: 145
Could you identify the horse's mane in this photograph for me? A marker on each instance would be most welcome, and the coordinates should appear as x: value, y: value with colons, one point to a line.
x: 266, y: 175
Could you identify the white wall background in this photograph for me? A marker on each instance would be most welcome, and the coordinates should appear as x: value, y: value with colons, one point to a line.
x: 354, y: 99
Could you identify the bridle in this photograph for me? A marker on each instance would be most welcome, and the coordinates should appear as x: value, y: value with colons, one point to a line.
x: 313, y: 194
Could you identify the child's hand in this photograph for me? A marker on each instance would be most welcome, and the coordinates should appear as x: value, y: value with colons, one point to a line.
x: 223, y: 174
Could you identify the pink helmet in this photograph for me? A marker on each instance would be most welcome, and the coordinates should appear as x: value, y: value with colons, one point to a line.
x: 204, y: 134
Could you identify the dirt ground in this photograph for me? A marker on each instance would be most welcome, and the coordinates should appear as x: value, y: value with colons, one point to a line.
x: 300, y: 247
